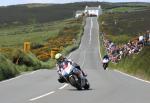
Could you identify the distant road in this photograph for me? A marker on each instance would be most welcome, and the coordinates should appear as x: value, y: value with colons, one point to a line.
x: 106, y: 86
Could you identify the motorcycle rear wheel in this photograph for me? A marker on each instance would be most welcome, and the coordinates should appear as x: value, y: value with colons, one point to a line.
x: 74, y: 83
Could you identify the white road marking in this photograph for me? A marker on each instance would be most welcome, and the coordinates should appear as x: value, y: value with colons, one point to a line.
x: 12, y: 79
x: 33, y: 72
x: 132, y: 76
x: 70, y: 55
x: 83, y: 59
x: 33, y: 99
x: 80, y: 46
x: 91, y: 31
x: 99, y: 48
x: 65, y: 85
x: 17, y: 77
x: 5, y: 81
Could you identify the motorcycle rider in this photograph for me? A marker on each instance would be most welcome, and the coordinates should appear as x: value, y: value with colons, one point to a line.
x: 61, y: 64
x: 105, y: 61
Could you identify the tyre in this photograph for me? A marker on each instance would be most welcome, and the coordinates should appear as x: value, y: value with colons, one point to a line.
x: 87, y: 85
x: 105, y: 66
x: 75, y: 82
x: 72, y: 80
x: 79, y: 88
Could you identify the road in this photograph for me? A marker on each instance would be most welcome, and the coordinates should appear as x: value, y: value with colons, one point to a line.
x: 106, y: 86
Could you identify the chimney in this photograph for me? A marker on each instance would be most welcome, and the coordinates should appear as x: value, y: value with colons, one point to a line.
x: 99, y: 7
x: 86, y: 7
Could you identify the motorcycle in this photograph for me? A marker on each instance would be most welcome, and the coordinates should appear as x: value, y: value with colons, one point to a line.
x: 105, y: 63
x: 72, y: 76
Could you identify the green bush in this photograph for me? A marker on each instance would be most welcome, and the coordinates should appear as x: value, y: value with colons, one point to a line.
x: 29, y: 60
x: 7, y: 68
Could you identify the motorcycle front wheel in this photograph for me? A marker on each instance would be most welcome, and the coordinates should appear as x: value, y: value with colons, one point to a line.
x: 87, y: 85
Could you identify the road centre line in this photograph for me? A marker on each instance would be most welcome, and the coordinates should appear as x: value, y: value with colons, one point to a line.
x: 65, y: 85
x: 91, y: 31
x: 33, y: 99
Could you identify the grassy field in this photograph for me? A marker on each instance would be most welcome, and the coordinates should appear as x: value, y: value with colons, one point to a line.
x: 39, y: 13
x: 123, y: 27
x: 127, y: 9
x: 43, y: 13
x: 37, y: 33
x: 43, y: 38
x: 67, y: 36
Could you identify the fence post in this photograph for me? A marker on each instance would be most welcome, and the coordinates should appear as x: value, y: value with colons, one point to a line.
x: 27, y: 46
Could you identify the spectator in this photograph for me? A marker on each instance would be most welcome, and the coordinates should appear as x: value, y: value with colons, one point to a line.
x: 141, y: 39
x: 117, y: 52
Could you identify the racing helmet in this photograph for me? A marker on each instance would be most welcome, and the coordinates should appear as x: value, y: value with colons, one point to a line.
x: 58, y: 56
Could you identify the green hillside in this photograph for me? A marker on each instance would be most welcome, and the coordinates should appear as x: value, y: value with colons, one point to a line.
x: 41, y: 13
x: 29, y: 14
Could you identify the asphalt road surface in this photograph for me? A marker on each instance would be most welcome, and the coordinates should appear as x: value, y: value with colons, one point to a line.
x: 106, y: 86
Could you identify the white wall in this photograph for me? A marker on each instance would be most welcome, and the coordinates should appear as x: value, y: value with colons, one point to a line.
x: 78, y: 15
x: 95, y: 12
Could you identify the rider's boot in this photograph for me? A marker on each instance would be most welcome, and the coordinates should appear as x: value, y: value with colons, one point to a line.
x: 61, y: 80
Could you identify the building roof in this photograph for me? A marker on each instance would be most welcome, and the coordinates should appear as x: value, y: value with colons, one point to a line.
x: 92, y: 8
x: 79, y: 11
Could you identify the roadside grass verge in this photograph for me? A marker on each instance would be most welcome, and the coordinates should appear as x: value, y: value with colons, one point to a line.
x: 128, y: 9
x: 7, y: 68
x: 119, y: 39
x: 102, y: 48
x: 137, y: 64
x: 77, y: 39
x: 76, y: 44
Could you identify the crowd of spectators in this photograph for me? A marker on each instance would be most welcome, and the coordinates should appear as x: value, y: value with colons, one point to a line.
x: 116, y: 52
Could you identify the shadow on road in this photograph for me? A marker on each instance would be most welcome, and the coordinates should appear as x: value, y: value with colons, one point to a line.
x: 80, y: 90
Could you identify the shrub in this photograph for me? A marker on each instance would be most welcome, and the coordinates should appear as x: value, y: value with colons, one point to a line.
x: 7, y: 68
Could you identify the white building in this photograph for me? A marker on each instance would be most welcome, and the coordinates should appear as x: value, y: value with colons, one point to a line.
x: 93, y: 11
x: 79, y: 13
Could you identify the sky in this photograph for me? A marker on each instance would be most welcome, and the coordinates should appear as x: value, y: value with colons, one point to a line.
x: 15, y: 2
